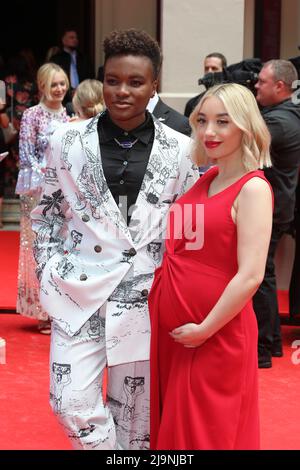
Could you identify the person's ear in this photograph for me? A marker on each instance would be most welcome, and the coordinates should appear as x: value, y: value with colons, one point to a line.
x: 280, y: 86
x: 154, y: 87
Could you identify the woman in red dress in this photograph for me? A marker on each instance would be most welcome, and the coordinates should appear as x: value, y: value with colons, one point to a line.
x: 204, y: 389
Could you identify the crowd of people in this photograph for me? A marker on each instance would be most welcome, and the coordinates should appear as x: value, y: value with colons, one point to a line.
x: 148, y: 240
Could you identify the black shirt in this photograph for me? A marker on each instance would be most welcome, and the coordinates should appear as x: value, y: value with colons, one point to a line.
x: 124, y: 169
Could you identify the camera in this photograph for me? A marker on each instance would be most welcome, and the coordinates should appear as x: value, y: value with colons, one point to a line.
x: 244, y: 73
x: 241, y: 77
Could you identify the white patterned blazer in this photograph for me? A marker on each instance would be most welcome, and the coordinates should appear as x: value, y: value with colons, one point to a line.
x: 85, y: 252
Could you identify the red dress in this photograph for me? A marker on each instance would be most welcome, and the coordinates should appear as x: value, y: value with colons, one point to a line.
x: 205, y: 397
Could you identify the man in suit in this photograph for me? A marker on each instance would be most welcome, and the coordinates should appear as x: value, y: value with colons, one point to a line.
x: 282, y: 116
x: 214, y: 62
x: 168, y: 115
x: 109, y: 185
x: 75, y: 64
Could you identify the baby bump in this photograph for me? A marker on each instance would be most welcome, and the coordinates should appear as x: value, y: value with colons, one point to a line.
x: 189, y: 290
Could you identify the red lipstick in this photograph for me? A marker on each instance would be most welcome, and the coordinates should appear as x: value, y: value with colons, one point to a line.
x: 211, y: 144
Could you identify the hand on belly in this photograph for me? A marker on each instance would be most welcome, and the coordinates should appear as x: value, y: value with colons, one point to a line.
x: 189, y: 335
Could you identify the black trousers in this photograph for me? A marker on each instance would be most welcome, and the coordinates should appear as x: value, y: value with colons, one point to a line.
x: 294, y: 289
x: 265, y: 302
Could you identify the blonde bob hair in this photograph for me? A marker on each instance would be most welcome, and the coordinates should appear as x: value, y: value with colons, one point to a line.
x: 242, y: 108
x: 88, y: 99
x: 45, y: 75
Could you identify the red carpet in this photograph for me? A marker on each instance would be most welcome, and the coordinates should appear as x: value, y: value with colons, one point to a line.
x: 27, y: 421
x: 9, y: 243
x: 283, y: 302
x: 279, y: 396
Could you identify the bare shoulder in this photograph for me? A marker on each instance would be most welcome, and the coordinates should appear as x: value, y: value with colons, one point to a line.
x: 256, y: 187
x: 255, y: 203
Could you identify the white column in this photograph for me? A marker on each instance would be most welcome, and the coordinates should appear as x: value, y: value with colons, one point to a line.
x: 190, y: 30
x: 290, y: 29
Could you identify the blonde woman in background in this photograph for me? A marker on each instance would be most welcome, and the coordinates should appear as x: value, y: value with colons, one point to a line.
x: 4, y: 122
x: 36, y: 125
x: 88, y: 99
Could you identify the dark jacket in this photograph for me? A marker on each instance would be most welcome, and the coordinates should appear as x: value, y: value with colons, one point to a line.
x: 283, y: 121
x: 84, y: 68
x: 192, y: 103
x: 172, y: 118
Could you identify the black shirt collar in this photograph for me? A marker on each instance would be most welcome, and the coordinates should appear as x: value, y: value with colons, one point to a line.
x: 108, y: 130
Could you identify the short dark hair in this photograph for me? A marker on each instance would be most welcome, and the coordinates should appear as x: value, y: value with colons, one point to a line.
x: 283, y: 70
x: 133, y: 42
x: 218, y: 55
x: 68, y: 29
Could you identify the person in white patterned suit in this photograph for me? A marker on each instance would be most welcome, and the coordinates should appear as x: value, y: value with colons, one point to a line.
x: 100, y: 229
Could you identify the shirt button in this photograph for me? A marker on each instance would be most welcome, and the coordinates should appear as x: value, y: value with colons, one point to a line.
x: 132, y: 252
x: 125, y: 133
x: 85, y: 218
x: 145, y: 292
x: 97, y: 249
x: 121, y: 181
x: 125, y: 163
x: 83, y: 277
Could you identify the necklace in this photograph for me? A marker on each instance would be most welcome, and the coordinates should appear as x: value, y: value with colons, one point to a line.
x: 126, y: 144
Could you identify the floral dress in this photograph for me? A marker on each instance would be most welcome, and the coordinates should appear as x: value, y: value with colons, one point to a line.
x: 37, y: 124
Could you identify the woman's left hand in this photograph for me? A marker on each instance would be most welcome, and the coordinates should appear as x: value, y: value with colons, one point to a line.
x: 189, y: 335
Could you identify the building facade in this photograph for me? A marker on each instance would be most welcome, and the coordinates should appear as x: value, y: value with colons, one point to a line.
x: 189, y: 30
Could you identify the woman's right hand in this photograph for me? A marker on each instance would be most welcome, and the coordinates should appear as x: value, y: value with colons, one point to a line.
x: 190, y: 335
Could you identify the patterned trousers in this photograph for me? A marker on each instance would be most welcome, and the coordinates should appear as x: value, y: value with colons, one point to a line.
x: 118, y: 420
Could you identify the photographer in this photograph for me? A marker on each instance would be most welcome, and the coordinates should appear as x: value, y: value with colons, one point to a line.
x: 243, y: 73
x: 282, y: 116
x: 214, y: 62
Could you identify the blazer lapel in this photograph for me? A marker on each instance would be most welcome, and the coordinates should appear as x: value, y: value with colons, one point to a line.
x: 161, y: 111
x: 162, y: 167
x: 95, y: 184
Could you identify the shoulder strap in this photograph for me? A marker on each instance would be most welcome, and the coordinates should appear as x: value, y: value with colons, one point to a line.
x: 209, y: 174
x: 252, y: 174
x: 241, y: 182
